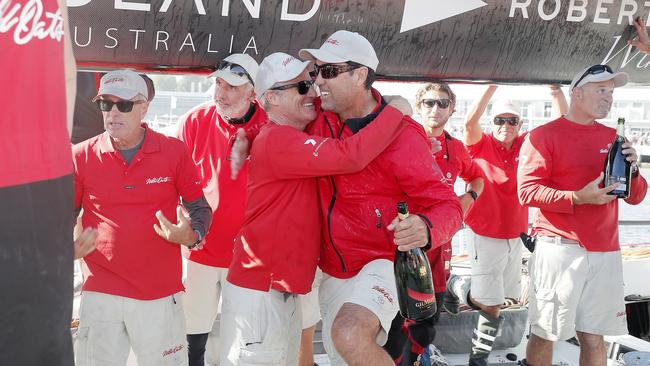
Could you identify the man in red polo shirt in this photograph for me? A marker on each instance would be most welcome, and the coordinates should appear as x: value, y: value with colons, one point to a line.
x: 209, y: 131
x: 358, y: 295
x: 576, y: 278
x: 277, y: 249
x: 496, y: 219
x: 128, y: 180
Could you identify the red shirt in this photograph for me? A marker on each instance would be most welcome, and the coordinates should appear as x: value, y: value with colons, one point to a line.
x: 34, y: 142
x: 121, y: 200
x: 279, y: 243
x: 453, y: 161
x: 209, y: 138
x: 561, y: 157
x: 497, y: 213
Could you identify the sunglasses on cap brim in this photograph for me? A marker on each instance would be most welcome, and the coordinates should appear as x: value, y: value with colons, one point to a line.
x: 442, y: 103
x: 303, y: 86
x: 124, y: 106
x: 500, y: 121
x: 330, y: 71
x: 594, y: 70
x: 234, y: 69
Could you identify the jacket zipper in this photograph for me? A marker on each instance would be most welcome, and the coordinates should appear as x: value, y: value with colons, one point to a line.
x: 331, y: 208
x: 378, y: 214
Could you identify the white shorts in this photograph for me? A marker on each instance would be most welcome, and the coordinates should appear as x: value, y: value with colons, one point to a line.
x: 496, y: 269
x: 575, y: 290
x: 309, y: 303
x: 258, y: 327
x: 110, y: 325
x: 373, y: 288
x: 202, y: 294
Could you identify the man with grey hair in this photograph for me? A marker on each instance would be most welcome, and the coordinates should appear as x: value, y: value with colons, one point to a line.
x: 209, y: 131
x: 277, y: 248
x: 576, y: 279
x: 128, y: 180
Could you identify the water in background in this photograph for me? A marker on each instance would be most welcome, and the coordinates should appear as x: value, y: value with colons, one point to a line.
x: 628, y: 234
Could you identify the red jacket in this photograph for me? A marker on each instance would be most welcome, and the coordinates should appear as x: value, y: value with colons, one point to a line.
x: 358, y: 207
x: 279, y: 243
x: 209, y: 139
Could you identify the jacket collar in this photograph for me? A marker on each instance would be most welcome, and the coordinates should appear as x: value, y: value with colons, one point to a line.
x: 356, y: 124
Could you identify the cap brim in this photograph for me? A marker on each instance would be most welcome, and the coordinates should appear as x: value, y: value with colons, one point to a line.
x: 620, y: 79
x: 125, y: 94
x: 507, y: 111
x: 230, y: 78
x: 294, y: 73
x: 318, y: 54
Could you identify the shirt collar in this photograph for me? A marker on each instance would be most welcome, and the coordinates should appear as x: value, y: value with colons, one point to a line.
x: 151, y: 142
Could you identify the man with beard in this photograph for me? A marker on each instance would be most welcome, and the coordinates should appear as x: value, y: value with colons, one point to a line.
x: 209, y: 131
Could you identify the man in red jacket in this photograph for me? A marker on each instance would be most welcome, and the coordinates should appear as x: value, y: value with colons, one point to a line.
x: 576, y: 277
x: 358, y: 295
x: 209, y: 131
x: 277, y: 248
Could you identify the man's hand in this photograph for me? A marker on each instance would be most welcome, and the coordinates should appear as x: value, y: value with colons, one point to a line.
x: 179, y: 233
x: 592, y: 195
x: 239, y: 153
x: 642, y: 43
x: 630, y: 153
x: 399, y: 103
x: 85, y: 243
x: 410, y: 233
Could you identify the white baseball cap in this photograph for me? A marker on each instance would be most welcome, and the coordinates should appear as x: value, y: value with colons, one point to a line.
x: 504, y: 107
x: 597, y: 74
x: 275, y: 68
x: 124, y: 84
x: 228, y: 70
x: 343, y: 46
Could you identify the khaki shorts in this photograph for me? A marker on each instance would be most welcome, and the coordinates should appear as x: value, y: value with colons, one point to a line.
x: 496, y: 269
x: 575, y: 290
x: 373, y: 288
x: 202, y: 294
x: 110, y: 325
x: 258, y: 327
x: 309, y: 303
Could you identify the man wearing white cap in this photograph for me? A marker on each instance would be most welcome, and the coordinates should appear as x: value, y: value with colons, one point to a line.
x: 209, y: 130
x: 495, y: 220
x: 277, y: 248
x: 128, y: 181
x: 358, y: 295
x: 576, y: 279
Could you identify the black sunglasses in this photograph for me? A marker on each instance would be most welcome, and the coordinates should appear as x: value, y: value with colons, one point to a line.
x: 594, y: 70
x: 500, y: 121
x: 303, y: 86
x: 330, y: 71
x: 124, y: 106
x: 233, y: 68
x: 442, y: 103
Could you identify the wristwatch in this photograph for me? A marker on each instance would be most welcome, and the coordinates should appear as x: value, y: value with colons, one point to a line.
x: 473, y: 194
x: 198, y: 244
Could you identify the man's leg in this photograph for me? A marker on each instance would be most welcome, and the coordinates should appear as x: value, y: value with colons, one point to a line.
x: 354, y: 334
x: 201, y: 300
x: 101, y: 338
x: 539, y: 352
x: 214, y: 338
x: 306, y: 354
x: 156, y: 329
x: 592, y: 349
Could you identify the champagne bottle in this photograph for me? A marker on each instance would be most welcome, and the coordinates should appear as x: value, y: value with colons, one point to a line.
x: 617, y: 169
x: 415, y: 293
